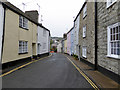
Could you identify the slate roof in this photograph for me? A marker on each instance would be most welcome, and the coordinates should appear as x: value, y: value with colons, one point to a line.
x: 18, y: 11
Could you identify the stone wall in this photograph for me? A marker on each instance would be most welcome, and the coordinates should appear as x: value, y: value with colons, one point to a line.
x: 106, y: 17
x: 89, y: 40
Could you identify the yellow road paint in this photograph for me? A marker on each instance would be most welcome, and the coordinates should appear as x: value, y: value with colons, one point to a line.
x: 11, y: 71
x: 86, y: 77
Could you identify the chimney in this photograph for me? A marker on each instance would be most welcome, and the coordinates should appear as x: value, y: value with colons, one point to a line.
x: 64, y: 35
x: 33, y: 14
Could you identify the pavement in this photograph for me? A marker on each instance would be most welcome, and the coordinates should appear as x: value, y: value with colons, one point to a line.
x: 52, y: 72
x: 100, y: 79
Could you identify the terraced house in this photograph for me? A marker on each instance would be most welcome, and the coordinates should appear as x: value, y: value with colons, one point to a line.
x: 72, y: 41
x: 43, y: 41
x: 98, y: 27
x: 108, y: 27
x: 69, y: 42
x: 76, y: 35
x: 87, y: 32
x: 19, y: 34
x: 65, y: 45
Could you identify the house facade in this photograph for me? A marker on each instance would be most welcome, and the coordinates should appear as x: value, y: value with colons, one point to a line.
x: 109, y: 35
x: 1, y: 27
x: 43, y: 41
x: 87, y: 32
x: 20, y: 35
x: 76, y: 35
x: 72, y: 41
x: 69, y: 42
x: 65, y: 45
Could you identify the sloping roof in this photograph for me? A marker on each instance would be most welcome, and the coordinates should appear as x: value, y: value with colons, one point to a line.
x: 18, y: 11
x: 70, y: 30
x: 81, y: 10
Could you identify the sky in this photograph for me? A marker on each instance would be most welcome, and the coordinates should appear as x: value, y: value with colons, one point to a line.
x: 57, y: 15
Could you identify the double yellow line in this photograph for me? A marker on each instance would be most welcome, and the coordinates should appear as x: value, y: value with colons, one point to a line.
x: 85, y: 76
x: 11, y: 71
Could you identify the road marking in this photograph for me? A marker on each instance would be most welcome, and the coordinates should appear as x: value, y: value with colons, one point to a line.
x: 11, y: 71
x: 85, y: 76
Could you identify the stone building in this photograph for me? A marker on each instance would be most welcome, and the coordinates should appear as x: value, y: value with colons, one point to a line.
x: 69, y: 42
x: 86, y: 32
x: 108, y: 35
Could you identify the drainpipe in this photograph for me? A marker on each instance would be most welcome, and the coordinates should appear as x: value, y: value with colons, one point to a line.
x: 96, y: 47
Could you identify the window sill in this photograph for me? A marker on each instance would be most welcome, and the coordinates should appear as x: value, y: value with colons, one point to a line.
x: 23, y: 53
x: 84, y: 16
x: 108, y: 6
x: 84, y: 57
x: 109, y: 56
x: 23, y: 28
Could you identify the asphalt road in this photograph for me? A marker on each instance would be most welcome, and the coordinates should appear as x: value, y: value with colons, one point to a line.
x: 53, y: 72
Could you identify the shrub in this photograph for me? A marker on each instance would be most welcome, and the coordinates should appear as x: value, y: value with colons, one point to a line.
x: 75, y: 56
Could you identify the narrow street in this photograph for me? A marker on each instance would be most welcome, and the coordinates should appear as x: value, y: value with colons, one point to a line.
x: 53, y: 72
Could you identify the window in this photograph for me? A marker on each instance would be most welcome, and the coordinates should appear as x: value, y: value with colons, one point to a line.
x: 84, y: 31
x: 23, y: 22
x: 114, y: 40
x: 110, y: 2
x: 84, y: 52
x: 85, y: 11
x: 23, y: 46
x: 44, y: 33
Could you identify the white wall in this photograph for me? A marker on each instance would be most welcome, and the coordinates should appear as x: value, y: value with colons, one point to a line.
x: 1, y: 27
x: 44, y: 48
x: 59, y: 46
x: 76, y: 35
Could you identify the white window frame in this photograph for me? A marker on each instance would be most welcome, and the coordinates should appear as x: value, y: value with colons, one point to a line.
x: 23, y: 22
x: 84, y: 51
x: 23, y: 48
x: 110, y: 2
x: 109, y: 53
x: 84, y: 31
x: 85, y: 11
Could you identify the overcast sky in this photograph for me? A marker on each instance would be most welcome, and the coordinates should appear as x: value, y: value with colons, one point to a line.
x: 57, y: 14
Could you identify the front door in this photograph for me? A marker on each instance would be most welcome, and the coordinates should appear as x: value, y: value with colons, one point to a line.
x: 33, y: 49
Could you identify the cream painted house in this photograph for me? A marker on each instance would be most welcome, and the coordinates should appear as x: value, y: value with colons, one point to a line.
x: 65, y: 45
x: 1, y: 27
x: 20, y: 34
